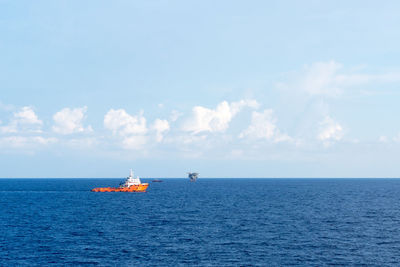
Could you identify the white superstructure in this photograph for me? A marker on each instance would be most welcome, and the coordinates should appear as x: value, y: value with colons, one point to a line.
x: 131, y: 180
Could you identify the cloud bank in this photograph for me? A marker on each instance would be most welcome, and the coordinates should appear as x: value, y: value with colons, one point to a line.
x: 308, y: 116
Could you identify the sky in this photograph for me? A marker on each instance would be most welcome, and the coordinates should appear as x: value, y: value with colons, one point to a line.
x: 223, y: 88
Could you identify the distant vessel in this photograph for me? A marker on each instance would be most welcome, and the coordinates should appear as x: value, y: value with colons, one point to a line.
x: 157, y: 181
x: 131, y: 184
x: 193, y: 176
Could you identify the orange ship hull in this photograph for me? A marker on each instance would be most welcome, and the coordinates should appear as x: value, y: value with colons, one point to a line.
x: 132, y: 188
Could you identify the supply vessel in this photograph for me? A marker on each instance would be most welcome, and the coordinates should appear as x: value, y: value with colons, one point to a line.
x: 131, y: 184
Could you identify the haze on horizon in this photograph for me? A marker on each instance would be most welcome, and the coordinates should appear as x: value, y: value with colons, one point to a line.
x: 224, y: 88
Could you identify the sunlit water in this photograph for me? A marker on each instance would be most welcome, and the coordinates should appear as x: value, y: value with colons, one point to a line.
x: 213, y: 222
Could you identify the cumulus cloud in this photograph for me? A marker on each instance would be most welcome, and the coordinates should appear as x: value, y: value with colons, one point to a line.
x: 121, y: 123
x: 68, y: 121
x: 263, y: 126
x: 215, y: 120
x: 24, y: 120
x: 160, y: 126
x: 330, y: 130
x: 132, y: 129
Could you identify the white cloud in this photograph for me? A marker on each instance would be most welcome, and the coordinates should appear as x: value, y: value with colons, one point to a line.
x: 131, y: 129
x: 68, y: 121
x: 186, y: 139
x: 27, y: 116
x: 317, y: 79
x: 160, y: 126
x: 330, y: 130
x: 121, y: 123
x: 25, y: 142
x: 396, y: 138
x: 82, y: 142
x: 215, y: 120
x: 321, y: 78
x: 263, y: 126
x: 237, y: 106
x: 383, y: 139
x: 134, y: 142
x: 24, y: 120
x: 330, y: 79
x: 236, y: 153
x: 175, y: 115
x: 279, y: 137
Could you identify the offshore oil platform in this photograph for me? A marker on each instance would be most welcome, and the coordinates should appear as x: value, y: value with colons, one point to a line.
x: 193, y: 176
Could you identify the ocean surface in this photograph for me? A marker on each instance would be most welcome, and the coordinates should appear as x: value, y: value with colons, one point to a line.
x: 213, y: 222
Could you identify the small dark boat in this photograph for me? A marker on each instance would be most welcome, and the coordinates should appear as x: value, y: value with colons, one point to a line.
x: 157, y: 181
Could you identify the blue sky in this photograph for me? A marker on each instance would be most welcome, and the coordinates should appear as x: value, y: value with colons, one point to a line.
x: 225, y: 88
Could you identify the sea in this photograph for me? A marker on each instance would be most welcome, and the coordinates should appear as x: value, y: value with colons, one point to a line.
x: 211, y: 222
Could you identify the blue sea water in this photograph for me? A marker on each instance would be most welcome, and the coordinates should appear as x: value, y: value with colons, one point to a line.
x: 213, y: 222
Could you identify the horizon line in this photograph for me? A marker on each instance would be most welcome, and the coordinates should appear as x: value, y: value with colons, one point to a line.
x: 202, y: 178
